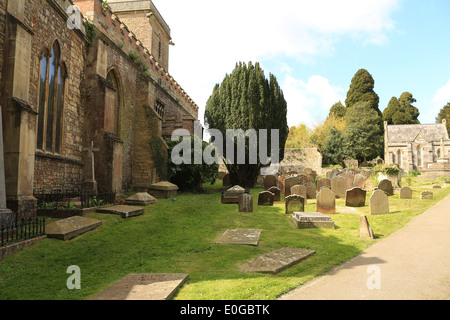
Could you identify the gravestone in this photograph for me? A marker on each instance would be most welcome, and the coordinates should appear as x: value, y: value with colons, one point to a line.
x: 310, y: 191
x: 437, y: 187
x: 140, y: 199
x: 304, y: 179
x: 89, y: 183
x: 233, y: 195
x: 260, y: 180
x: 69, y: 228
x: 386, y: 186
x: 248, y: 237
x: 324, y: 182
x: 339, y: 186
x: 289, y: 183
x: 426, y: 195
x: 123, y: 211
x: 280, y: 183
x: 359, y: 181
x: 365, y: 231
x: 226, y: 180
x: 7, y: 217
x: 355, y: 197
x: 163, y: 189
x: 147, y: 286
x: 299, y: 190
x: 306, y: 220
x: 277, y: 193
x: 349, y: 178
x: 406, y: 193
x: 276, y: 261
x: 379, y: 202
x: 294, y: 203
x: 269, y: 181
x: 246, y: 203
x: 326, y: 201
x: 308, y: 171
x: 265, y: 198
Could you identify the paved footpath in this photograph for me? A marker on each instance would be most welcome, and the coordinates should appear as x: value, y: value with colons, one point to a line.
x: 412, y: 263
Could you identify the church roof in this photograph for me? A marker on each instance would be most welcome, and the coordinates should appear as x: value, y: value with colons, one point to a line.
x: 409, y: 132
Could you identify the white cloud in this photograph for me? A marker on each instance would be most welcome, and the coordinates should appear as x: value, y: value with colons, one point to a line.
x: 308, y: 101
x: 211, y: 36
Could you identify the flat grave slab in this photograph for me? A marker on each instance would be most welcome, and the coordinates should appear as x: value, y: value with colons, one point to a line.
x: 123, y: 210
x: 276, y: 261
x: 69, y: 228
x: 145, y: 286
x: 240, y: 236
x: 305, y: 220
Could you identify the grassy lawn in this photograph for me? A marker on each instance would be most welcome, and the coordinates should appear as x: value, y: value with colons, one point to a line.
x: 179, y: 237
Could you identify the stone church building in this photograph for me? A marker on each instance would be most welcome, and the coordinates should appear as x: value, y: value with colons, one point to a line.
x: 422, y: 147
x: 75, y: 77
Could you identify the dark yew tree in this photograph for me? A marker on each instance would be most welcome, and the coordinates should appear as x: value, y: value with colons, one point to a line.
x: 362, y: 90
x: 247, y: 100
x: 444, y: 113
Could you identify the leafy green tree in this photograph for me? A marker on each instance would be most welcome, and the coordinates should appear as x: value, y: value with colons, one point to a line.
x: 392, y: 108
x: 338, y: 109
x: 363, y: 134
x: 406, y: 101
x: 401, y: 111
x: 444, y: 113
x: 299, y: 137
x: 190, y: 177
x: 334, y: 148
x: 247, y: 100
x: 362, y: 90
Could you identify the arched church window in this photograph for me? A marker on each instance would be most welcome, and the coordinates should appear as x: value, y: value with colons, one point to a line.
x: 419, y: 156
x: 439, y: 153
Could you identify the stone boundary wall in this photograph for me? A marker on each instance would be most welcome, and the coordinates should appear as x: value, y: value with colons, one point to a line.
x: 12, y: 249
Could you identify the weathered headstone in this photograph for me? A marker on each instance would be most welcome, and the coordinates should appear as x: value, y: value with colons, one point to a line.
x: 324, y: 182
x: 349, y: 178
x: 307, y: 171
x: 326, y: 201
x: 365, y: 231
x: 304, y: 179
x: 437, y: 187
x: 359, y: 181
x: 426, y: 195
x: 233, y: 195
x: 265, y: 198
x: 355, y: 197
x: 277, y: 193
x: 339, y: 186
x: 164, y: 189
x: 280, y: 183
x: 69, y: 228
x: 149, y: 286
x: 379, y: 202
x: 248, y: 237
x: 226, y: 180
x: 123, y: 211
x: 299, y: 190
x: 289, y: 183
x: 406, y: 193
x: 140, y: 199
x: 89, y: 183
x: 310, y: 190
x: 260, y: 180
x: 386, y: 186
x: 305, y: 220
x: 269, y: 181
x: 246, y: 203
x: 294, y: 203
x: 276, y: 261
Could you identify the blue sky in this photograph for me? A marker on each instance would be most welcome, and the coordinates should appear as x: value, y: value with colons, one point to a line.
x: 314, y: 48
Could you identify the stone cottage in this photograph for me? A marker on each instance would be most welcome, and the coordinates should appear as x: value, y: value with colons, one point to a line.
x: 82, y: 73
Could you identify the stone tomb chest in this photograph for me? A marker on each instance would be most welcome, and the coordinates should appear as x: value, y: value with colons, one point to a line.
x: 164, y: 189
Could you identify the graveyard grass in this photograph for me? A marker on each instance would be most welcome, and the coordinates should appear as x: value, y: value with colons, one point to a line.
x: 179, y: 237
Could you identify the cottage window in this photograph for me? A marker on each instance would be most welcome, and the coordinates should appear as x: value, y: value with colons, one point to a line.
x: 51, y: 101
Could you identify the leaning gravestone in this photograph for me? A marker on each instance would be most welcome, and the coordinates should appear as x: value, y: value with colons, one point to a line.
x: 277, y: 193
x: 233, y: 194
x: 355, y: 197
x: 306, y: 220
x: 276, y: 261
x: 146, y: 286
x: 310, y: 190
x: 140, y: 199
x: 379, y: 202
x: 269, y: 181
x: 339, y: 186
x: 265, y: 198
x: 294, y: 203
x: 248, y: 237
x: 326, y: 201
x: 386, y: 186
x: 289, y: 183
x: 66, y: 229
x: 246, y: 203
x: 426, y: 195
x: 299, y: 190
x: 324, y: 182
x: 365, y: 231
x: 406, y: 193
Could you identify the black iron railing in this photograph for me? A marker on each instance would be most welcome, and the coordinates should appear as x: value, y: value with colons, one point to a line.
x: 23, y: 230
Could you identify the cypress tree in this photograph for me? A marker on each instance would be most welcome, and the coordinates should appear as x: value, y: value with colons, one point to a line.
x: 362, y: 90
